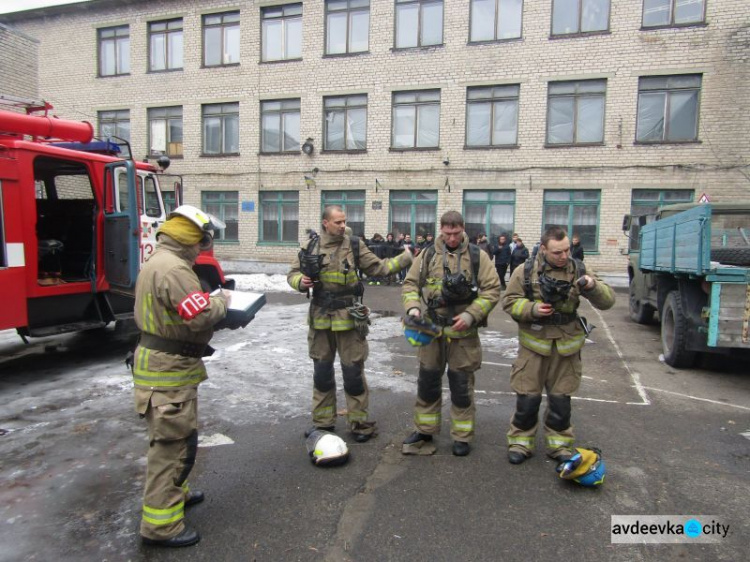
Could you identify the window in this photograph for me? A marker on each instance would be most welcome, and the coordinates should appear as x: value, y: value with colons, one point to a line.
x: 664, y: 13
x: 114, y: 50
x: 413, y: 213
x: 490, y: 212
x: 649, y: 201
x: 280, y: 126
x: 282, y: 32
x: 169, y: 201
x: 416, y: 119
x: 221, y: 39
x: 221, y: 128
x: 492, y: 116
x: 575, y: 112
x: 347, y: 26
x: 668, y: 108
x: 115, y: 124
x: 575, y: 211
x: 224, y: 206
x: 419, y: 23
x: 165, y: 131
x: 495, y: 20
x: 165, y: 45
x: 345, y: 122
x: 353, y: 204
x: 579, y: 16
x: 279, y: 216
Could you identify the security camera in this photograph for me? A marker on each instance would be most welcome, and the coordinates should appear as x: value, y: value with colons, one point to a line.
x: 446, y: 161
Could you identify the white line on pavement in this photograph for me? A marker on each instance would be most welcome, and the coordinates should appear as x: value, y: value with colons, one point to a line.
x: 697, y: 398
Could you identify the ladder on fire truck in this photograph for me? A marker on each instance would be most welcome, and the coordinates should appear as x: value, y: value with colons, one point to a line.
x: 27, y: 104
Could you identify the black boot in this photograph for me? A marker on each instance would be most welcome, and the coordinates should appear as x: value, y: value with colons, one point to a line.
x: 187, y: 537
x: 416, y: 437
x: 461, y: 448
x: 330, y: 428
x: 193, y: 497
x: 516, y: 457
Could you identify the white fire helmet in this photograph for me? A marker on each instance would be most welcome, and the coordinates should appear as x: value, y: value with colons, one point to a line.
x: 326, y: 449
x: 207, y: 222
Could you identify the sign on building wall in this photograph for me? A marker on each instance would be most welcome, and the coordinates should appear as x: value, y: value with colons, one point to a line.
x: 248, y: 206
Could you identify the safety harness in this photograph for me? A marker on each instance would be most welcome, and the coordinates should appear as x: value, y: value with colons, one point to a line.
x: 557, y: 318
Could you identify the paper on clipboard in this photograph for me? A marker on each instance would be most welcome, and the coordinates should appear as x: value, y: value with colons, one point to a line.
x: 244, y: 301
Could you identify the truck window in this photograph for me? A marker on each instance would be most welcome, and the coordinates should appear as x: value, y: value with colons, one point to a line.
x: 151, y: 197
x: 730, y: 230
x: 65, y: 221
x: 122, y: 190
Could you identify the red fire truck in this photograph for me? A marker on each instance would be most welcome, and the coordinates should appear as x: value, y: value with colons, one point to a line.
x: 76, y: 223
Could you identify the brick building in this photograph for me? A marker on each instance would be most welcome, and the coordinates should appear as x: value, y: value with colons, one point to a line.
x: 519, y: 114
x: 19, y: 64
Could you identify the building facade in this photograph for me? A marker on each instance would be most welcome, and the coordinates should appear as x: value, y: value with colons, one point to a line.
x: 19, y: 65
x: 520, y: 114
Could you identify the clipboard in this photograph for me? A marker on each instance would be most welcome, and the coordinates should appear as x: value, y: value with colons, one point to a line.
x: 243, y: 307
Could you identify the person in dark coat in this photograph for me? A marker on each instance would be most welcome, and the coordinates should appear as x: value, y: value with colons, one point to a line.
x: 519, y: 255
x: 502, y: 257
x: 576, y: 250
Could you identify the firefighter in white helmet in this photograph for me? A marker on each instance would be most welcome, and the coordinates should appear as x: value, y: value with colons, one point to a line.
x: 176, y: 319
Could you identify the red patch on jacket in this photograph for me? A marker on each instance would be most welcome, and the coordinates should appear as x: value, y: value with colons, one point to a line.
x: 192, y: 305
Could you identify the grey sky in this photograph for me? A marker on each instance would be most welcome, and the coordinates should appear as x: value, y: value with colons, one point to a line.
x: 16, y: 5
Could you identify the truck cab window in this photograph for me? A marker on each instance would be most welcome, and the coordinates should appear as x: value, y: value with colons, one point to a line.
x: 151, y: 198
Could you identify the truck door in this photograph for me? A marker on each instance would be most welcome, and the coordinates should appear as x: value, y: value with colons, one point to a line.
x: 121, y: 226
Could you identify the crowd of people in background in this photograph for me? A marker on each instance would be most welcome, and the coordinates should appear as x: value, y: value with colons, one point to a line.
x: 507, y: 251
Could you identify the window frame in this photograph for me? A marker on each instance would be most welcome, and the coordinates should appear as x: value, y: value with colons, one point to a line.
x: 577, y: 97
x: 223, y: 200
x: 224, y: 25
x: 416, y: 104
x: 345, y: 198
x: 660, y: 201
x: 285, y: 19
x: 492, y: 100
x: 349, y: 10
x: 116, y: 120
x: 170, y: 114
x: 667, y: 106
x: 488, y: 204
x: 279, y: 204
x: 496, y: 39
x: 672, y: 23
x: 572, y: 203
x: 420, y: 24
x: 412, y: 201
x: 345, y: 109
x: 167, y: 33
x: 281, y: 112
x: 223, y: 115
x: 578, y: 32
x: 118, y: 41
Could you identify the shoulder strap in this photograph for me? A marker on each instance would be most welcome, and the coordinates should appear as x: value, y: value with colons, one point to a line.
x: 354, y: 241
x: 580, y: 268
x: 426, y: 258
x: 474, y: 255
x: 527, y: 267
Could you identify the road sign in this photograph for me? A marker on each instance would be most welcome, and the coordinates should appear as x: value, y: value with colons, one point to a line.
x: 704, y: 199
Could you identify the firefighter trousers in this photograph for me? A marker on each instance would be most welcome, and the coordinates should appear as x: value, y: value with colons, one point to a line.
x: 173, y: 443
x: 560, y: 377
x: 353, y: 350
x: 463, y: 357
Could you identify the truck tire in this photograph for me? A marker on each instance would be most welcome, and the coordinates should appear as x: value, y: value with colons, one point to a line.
x: 731, y: 256
x: 640, y: 313
x: 674, y: 328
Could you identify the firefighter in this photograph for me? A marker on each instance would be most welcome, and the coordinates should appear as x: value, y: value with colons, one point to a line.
x: 176, y: 319
x: 543, y: 298
x: 328, y: 266
x: 459, y: 285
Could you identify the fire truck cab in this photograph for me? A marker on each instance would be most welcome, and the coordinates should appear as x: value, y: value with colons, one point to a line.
x: 75, y: 227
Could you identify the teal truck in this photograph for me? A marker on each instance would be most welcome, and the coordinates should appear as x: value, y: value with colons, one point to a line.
x: 690, y: 263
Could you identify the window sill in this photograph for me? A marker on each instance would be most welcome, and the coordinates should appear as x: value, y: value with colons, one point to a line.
x: 280, y: 61
x: 492, y: 147
x: 267, y: 243
x: 415, y: 149
x: 284, y: 153
x: 222, y: 155
x: 344, y: 55
x: 226, y: 242
x: 674, y: 26
x: 157, y: 156
x: 113, y: 75
x: 668, y: 142
x: 164, y: 71
x: 579, y: 35
x: 417, y: 48
x: 575, y: 145
x: 471, y: 43
x: 231, y: 64
x: 354, y: 151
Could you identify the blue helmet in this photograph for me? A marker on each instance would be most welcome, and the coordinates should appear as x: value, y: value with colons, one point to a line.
x: 585, y: 467
x: 419, y: 332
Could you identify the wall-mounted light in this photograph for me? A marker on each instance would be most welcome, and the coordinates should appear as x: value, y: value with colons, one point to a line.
x: 446, y: 161
x: 308, y: 148
x: 309, y: 182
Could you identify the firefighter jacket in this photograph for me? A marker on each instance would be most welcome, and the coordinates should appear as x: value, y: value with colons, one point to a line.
x: 170, y: 303
x: 431, y: 275
x: 538, y: 335
x: 339, y: 282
